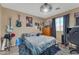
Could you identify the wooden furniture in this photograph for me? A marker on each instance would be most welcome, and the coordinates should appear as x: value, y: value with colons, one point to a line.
x: 47, y: 31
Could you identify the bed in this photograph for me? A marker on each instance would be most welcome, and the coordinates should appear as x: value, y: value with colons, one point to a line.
x: 38, y: 45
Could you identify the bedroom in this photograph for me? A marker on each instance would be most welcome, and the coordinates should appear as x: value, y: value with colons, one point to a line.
x: 37, y: 24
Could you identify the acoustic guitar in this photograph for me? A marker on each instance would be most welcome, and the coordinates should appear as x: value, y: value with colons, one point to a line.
x: 9, y: 26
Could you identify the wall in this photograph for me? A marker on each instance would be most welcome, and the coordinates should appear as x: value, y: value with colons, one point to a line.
x: 72, y: 20
x: 6, y: 13
x: 0, y: 26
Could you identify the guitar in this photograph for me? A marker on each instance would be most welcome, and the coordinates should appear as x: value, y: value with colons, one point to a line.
x: 9, y: 26
x: 18, y: 22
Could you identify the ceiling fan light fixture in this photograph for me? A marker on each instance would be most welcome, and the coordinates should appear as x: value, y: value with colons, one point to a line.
x: 46, y: 7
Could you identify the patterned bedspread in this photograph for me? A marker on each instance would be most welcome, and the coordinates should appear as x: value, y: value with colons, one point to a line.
x: 38, y: 44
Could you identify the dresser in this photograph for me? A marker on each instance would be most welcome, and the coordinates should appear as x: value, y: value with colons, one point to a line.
x: 47, y: 31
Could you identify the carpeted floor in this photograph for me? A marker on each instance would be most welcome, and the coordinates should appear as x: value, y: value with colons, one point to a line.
x: 14, y: 51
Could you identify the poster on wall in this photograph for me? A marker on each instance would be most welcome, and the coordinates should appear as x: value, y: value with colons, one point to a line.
x: 48, y: 22
x: 29, y: 21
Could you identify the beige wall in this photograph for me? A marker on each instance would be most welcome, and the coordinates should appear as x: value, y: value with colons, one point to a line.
x: 6, y: 13
x: 72, y: 20
x: 0, y: 26
x: 71, y: 12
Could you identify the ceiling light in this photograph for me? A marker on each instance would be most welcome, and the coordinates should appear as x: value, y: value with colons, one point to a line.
x: 46, y: 7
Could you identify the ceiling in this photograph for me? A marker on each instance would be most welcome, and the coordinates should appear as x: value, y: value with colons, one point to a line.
x: 34, y: 8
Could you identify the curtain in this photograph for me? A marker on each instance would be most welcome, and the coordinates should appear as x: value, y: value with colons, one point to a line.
x: 77, y: 20
x: 65, y: 26
x: 53, y: 28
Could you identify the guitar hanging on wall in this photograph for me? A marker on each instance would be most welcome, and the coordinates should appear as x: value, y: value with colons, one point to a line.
x: 9, y: 26
x: 18, y: 22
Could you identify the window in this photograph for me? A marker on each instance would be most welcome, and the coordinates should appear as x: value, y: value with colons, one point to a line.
x: 59, y: 24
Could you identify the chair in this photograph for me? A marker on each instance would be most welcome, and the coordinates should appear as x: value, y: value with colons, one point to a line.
x: 73, y: 37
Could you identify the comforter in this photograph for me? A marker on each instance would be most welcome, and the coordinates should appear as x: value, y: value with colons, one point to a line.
x: 38, y: 44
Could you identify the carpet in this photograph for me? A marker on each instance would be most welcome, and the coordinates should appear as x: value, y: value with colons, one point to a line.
x: 51, y: 50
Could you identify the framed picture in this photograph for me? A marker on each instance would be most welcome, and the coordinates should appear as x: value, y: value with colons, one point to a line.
x: 36, y: 24
x: 76, y: 14
x: 29, y: 21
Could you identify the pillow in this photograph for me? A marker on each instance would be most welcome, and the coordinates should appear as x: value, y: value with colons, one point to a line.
x: 26, y: 34
x: 38, y: 34
x: 35, y: 34
x: 31, y: 34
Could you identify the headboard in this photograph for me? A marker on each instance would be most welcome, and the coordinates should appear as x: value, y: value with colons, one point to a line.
x: 21, y: 30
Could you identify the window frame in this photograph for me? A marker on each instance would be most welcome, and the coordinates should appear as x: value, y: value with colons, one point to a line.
x: 60, y: 23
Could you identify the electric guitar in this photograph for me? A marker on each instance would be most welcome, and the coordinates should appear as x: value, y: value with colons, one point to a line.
x: 18, y: 22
